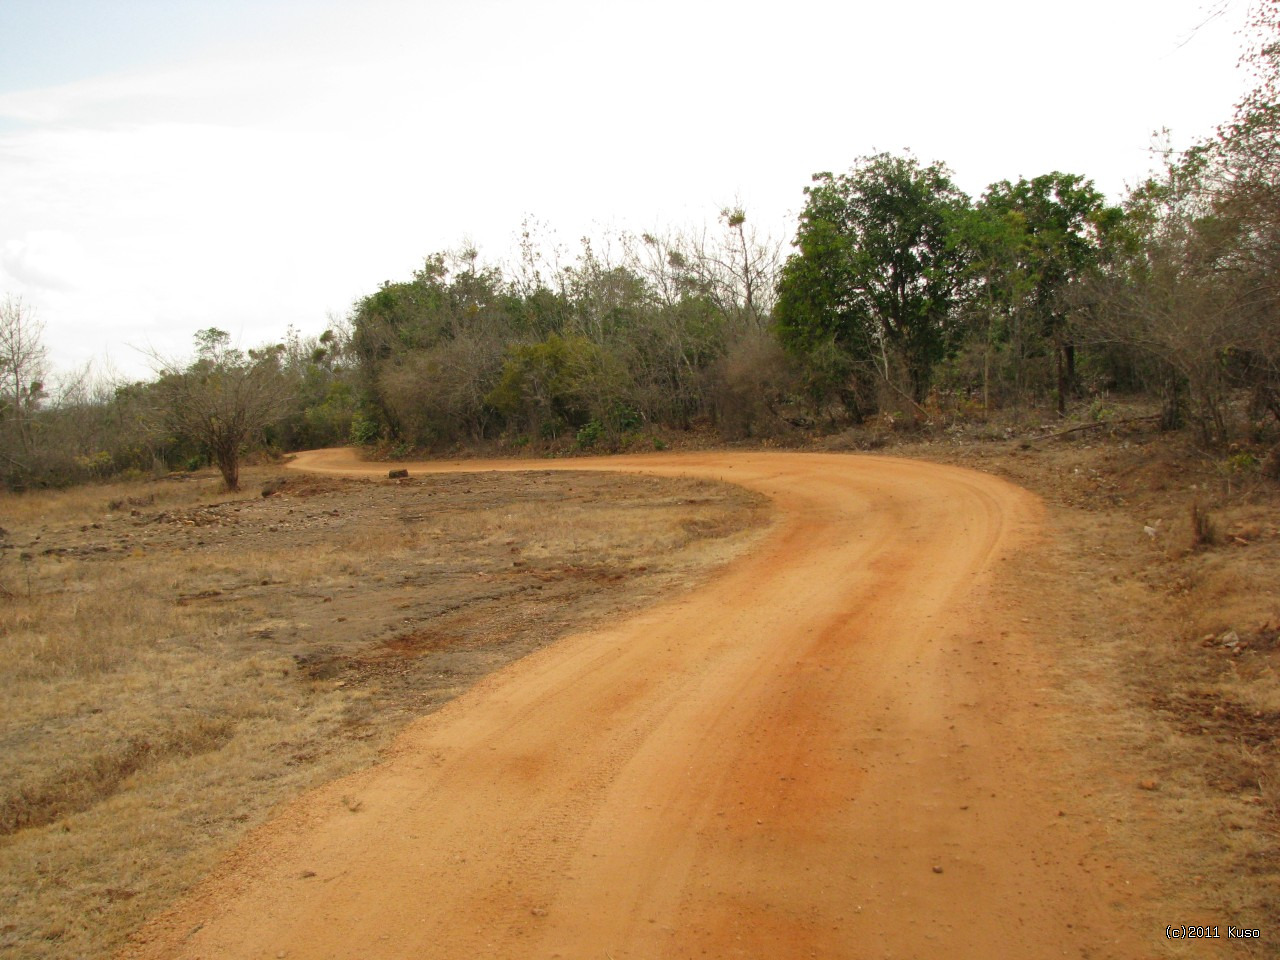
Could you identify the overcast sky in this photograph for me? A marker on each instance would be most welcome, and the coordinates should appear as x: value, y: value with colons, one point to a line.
x: 169, y: 165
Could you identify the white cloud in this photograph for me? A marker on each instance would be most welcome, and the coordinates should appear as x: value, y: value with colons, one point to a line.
x: 45, y: 259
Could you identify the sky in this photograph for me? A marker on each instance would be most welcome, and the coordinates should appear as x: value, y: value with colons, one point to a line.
x: 171, y: 165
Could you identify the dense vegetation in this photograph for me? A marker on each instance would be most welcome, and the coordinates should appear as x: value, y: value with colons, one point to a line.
x: 901, y: 296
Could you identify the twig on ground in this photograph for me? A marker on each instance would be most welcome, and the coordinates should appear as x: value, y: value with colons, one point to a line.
x: 1100, y: 423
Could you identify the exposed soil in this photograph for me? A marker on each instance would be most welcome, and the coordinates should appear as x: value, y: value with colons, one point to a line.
x: 928, y: 715
x: 179, y: 661
x: 1167, y: 643
x: 852, y: 742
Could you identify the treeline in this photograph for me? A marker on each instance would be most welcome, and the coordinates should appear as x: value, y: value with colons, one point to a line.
x: 900, y: 296
x: 208, y: 409
x: 660, y: 331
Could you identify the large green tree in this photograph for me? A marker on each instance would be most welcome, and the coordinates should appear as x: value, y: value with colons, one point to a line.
x: 874, y: 273
x: 1052, y: 230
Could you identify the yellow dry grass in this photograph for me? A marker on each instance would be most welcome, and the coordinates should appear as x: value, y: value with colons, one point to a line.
x: 154, y: 702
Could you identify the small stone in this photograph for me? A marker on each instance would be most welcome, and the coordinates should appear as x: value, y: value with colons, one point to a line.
x: 937, y: 869
x: 1148, y: 784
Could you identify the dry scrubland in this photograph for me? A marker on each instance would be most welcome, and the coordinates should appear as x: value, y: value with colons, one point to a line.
x: 175, y: 662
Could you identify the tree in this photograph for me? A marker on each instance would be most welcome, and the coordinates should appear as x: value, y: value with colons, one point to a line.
x: 560, y: 383
x: 1056, y: 228
x: 451, y: 298
x: 995, y: 243
x: 22, y: 373
x: 1243, y: 173
x: 439, y: 394
x: 875, y: 273
x: 323, y: 399
x: 1196, y: 288
x: 224, y: 399
x: 737, y: 271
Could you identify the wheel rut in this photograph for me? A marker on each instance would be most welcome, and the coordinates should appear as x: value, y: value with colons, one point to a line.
x: 816, y: 753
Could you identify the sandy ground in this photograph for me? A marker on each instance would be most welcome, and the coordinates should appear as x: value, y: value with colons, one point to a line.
x: 837, y: 747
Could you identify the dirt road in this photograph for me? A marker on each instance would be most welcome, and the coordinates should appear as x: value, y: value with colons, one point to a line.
x: 835, y: 748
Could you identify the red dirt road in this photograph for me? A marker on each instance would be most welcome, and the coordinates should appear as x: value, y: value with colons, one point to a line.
x: 832, y: 748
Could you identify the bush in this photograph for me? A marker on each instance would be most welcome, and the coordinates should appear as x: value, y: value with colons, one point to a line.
x: 591, y: 433
x: 750, y: 385
x: 559, y: 383
x: 363, y: 431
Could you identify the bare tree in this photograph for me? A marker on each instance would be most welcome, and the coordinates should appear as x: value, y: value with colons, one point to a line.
x: 738, y: 270
x: 1199, y: 291
x: 22, y: 373
x: 224, y: 399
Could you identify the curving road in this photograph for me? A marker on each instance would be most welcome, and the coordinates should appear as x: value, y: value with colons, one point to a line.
x: 827, y: 750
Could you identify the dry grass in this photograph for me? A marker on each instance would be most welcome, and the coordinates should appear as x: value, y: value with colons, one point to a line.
x: 89, y: 503
x: 177, y: 665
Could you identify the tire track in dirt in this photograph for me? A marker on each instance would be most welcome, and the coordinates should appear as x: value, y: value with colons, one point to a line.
x: 817, y: 753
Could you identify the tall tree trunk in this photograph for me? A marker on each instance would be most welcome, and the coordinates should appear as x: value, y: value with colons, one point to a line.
x: 227, y: 456
x: 1171, y: 403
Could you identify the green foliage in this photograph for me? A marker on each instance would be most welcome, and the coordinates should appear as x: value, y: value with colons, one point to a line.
x: 1100, y: 411
x: 97, y: 464
x: 591, y: 433
x: 1033, y: 243
x: 876, y: 273
x: 449, y: 296
x: 624, y: 419
x: 323, y: 399
x: 560, y: 383
x: 1240, y: 462
x: 363, y: 431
